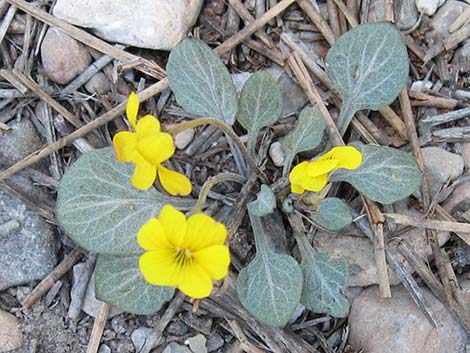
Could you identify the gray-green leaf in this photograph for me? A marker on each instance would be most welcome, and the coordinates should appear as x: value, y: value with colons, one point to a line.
x: 201, y: 83
x: 386, y: 175
x: 324, y: 280
x: 119, y: 282
x: 265, y: 202
x: 307, y: 135
x: 271, y: 285
x: 260, y: 104
x: 99, y: 208
x: 369, y: 67
x: 334, y: 214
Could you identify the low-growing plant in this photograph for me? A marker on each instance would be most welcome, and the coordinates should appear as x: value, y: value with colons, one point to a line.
x: 147, y: 246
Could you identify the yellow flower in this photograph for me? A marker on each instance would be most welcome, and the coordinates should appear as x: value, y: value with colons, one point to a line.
x: 313, y: 176
x: 148, y: 148
x: 184, y: 253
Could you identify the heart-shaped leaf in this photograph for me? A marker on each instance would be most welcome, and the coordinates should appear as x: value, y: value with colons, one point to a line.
x: 99, y: 208
x: 260, y: 105
x: 334, y: 214
x: 201, y: 83
x: 386, y: 175
x: 369, y: 67
x: 271, y: 285
x: 324, y: 280
x: 265, y: 202
x: 119, y: 282
x: 307, y: 135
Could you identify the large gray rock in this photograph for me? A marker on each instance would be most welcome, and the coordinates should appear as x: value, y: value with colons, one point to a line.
x: 359, y: 251
x: 441, y: 167
x: 461, y: 60
x: 19, y: 142
x: 27, y: 243
x: 142, y: 23
x: 63, y: 58
x: 396, y: 324
x: 443, y: 18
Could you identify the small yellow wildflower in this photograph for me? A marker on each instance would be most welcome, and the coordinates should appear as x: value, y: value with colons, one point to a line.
x: 148, y: 148
x: 313, y: 176
x: 184, y: 253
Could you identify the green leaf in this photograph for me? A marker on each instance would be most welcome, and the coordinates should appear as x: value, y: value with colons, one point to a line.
x: 265, y: 202
x: 119, y: 282
x: 99, y: 208
x: 386, y: 175
x: 324, y: 280
x: 260, y: 105
x: 307, y: 135
x: 369, y: 67
x: 201, y: 83
x: 271, y: 285
x: 334, y: 214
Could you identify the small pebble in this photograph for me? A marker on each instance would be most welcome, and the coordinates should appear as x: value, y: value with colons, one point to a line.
x: 184, y: 138
x: 10, y: 334
x: 98, y: 84
x: 197, y: 344
x: 277, y: 154
x: 63, y: 58
x: 174, y: 347
x: 140, y: 336
x: 214, y: 342
x: 104, y: 349
x: 428, y: 7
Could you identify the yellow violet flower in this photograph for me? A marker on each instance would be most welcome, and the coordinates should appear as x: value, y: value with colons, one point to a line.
x: 148, y: 148
x: 313, y: 176
x: 184, y: 253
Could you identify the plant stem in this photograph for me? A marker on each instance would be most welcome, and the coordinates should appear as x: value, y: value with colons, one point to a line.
x: 209, y: 184
x: 174, y: 129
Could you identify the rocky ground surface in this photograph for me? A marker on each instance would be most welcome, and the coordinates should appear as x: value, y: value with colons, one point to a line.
x: 81, y: 76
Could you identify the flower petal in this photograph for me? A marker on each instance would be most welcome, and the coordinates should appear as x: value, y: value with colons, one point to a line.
x: 144, y: 174
x: 175, y: 225
x: 124, y: 145
x: 321, y: 166
x: 194, y: 281
x: 201, y: 232
x: 132, y: 108
x: 316, y: 183
x: 215, y: 260
x: 174, y: 182
x: 148, y: 125
x: 152, y: 236
x: 348, y: 157
x: 297, y: 189
x: 299, y: 172
x: 160, y: 268
x: 220, y: 234
x: 156, y: 148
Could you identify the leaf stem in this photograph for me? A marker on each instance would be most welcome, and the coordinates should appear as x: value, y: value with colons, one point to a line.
x: 209, y: 184
x: 176, y: 128
x: 345, y: 116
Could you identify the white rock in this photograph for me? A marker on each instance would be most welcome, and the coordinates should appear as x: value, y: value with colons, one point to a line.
x: 443, y: 18
x: 277, y: 154
x: 421, y: 86
x: 174, y: 347
x: 184, y: 138
x: 428, y: 7
x: 10, y: 334
x: 150, y: 24
x: 397, y: 325
x: 63, y: 58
